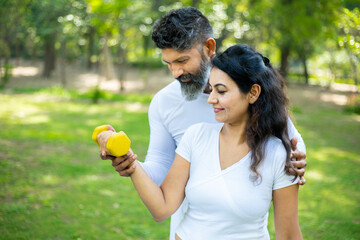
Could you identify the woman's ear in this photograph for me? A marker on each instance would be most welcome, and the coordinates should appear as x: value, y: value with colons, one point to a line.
x: 254, y: 93
x: 210, y: 47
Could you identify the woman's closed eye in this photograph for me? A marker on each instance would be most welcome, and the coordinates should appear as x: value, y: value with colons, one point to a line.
x: 219, y: 91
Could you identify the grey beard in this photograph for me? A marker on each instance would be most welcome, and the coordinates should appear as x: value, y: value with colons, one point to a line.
x: 191, y: 90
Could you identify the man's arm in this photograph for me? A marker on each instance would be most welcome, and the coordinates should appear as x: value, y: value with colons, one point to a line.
x: 161, y: 150
x: 293, y: 133
x: 298, y: 152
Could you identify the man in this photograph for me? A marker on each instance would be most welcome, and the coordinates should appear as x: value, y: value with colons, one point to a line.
x: 185, y: 38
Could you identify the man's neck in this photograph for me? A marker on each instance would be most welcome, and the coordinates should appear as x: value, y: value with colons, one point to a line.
x: 207, y: 89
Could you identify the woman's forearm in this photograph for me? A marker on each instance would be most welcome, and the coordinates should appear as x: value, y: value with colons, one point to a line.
x: 150, y: 193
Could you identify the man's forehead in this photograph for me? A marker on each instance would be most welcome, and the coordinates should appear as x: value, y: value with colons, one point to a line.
x: 170, y: 54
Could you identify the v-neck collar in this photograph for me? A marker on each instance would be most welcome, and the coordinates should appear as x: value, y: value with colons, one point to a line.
x: 229, y: 168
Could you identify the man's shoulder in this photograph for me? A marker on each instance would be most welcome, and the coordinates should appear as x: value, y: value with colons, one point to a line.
x: 172, y: 90
x: 168, y: 97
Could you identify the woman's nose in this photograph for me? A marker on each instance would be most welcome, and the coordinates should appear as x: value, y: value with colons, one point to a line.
x: 211, y: 99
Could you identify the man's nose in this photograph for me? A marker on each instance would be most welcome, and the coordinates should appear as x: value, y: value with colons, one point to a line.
x: 177, y: 71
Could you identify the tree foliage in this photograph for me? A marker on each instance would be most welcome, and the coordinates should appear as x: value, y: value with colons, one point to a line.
x: 115, y: 33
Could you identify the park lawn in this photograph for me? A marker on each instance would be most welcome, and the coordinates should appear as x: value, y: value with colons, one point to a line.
x: 54, y: 185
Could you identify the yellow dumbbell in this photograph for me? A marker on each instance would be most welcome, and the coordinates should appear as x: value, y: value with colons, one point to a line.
x: 118, y: 144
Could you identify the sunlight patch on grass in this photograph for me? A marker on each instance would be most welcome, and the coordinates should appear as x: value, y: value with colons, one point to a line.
x: 91, y: 178
x: 50, y: 179
x: 334, y: 98
x: 331, y: 153
x: 36, y: 119
x: 356, y: 118
x: 25, y: 71
x: 107, y: 192
x: 20, y: 110
x: 314, y: 175
x: 136, y: 107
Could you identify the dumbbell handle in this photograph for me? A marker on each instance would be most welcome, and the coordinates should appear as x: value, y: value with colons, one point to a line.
x: 118, y: 144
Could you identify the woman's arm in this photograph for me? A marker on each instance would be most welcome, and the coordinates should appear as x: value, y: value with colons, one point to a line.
x: 285, y: 201
x: 163, y: 201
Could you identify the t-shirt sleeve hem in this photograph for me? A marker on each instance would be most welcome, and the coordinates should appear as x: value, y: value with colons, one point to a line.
x: 290, y: 183
x: 182, y: 154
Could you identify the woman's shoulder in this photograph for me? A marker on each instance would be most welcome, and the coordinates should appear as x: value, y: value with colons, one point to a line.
x: 204, y: 127
x: 275, y: 149
x: 203, y: 130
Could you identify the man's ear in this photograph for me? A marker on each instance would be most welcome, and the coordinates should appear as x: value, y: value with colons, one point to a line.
x: 210, y: 47
x: 254, y: 93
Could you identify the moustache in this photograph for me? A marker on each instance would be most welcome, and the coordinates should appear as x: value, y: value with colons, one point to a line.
x: 185, y: 77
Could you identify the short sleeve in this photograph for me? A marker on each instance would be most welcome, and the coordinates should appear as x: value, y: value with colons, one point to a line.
x: 281, y: 179
x: 184, y: 148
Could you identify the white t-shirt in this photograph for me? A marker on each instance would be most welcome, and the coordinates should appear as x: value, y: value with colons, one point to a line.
x: 227, y: 204
x: 169, y: 116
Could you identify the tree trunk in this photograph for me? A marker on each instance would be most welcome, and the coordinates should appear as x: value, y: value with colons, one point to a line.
x: 1, y: 66
x: 121, y: 53
x: 17, y: 52
x: 195, y: 3
x: 219, y: 42
x: 63, y: 63
x: 49, y: 56
x: 5, y: 77
x: 304, y: 63
x: 353, y: 63
x: 230, y: 12
x: 108, y: 65
x: 285, y: 52
x: 156, y: 5
x: 146, y: 41
x: 7, y: 74
x: 90, y: 50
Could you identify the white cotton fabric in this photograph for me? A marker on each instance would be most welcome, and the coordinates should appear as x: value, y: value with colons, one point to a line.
x: 227, y: 204
x: 169, y: 116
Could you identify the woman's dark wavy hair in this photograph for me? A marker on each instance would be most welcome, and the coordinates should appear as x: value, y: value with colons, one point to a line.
x: 181, y: 29
x: 268, y: 115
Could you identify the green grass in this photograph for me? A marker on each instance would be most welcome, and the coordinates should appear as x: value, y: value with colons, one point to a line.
x: 54, y: 185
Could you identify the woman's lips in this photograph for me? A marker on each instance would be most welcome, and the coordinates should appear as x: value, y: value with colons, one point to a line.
x: 216, y: 110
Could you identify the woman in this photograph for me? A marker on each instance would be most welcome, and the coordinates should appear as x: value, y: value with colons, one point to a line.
x: 231, y: 171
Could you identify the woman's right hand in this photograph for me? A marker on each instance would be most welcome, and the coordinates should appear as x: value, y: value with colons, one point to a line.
x: 102, y: 139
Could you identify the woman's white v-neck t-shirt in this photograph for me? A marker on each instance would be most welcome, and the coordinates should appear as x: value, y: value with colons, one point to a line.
x: 227, y: 204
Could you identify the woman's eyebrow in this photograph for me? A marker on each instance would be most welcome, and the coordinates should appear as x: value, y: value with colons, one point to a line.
x: 220, y: 84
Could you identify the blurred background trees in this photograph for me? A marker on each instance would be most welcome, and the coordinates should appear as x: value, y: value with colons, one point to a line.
x: 306, y: 40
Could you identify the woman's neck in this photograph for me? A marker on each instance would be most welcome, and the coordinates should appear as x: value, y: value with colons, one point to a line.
x: 234, y: 132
